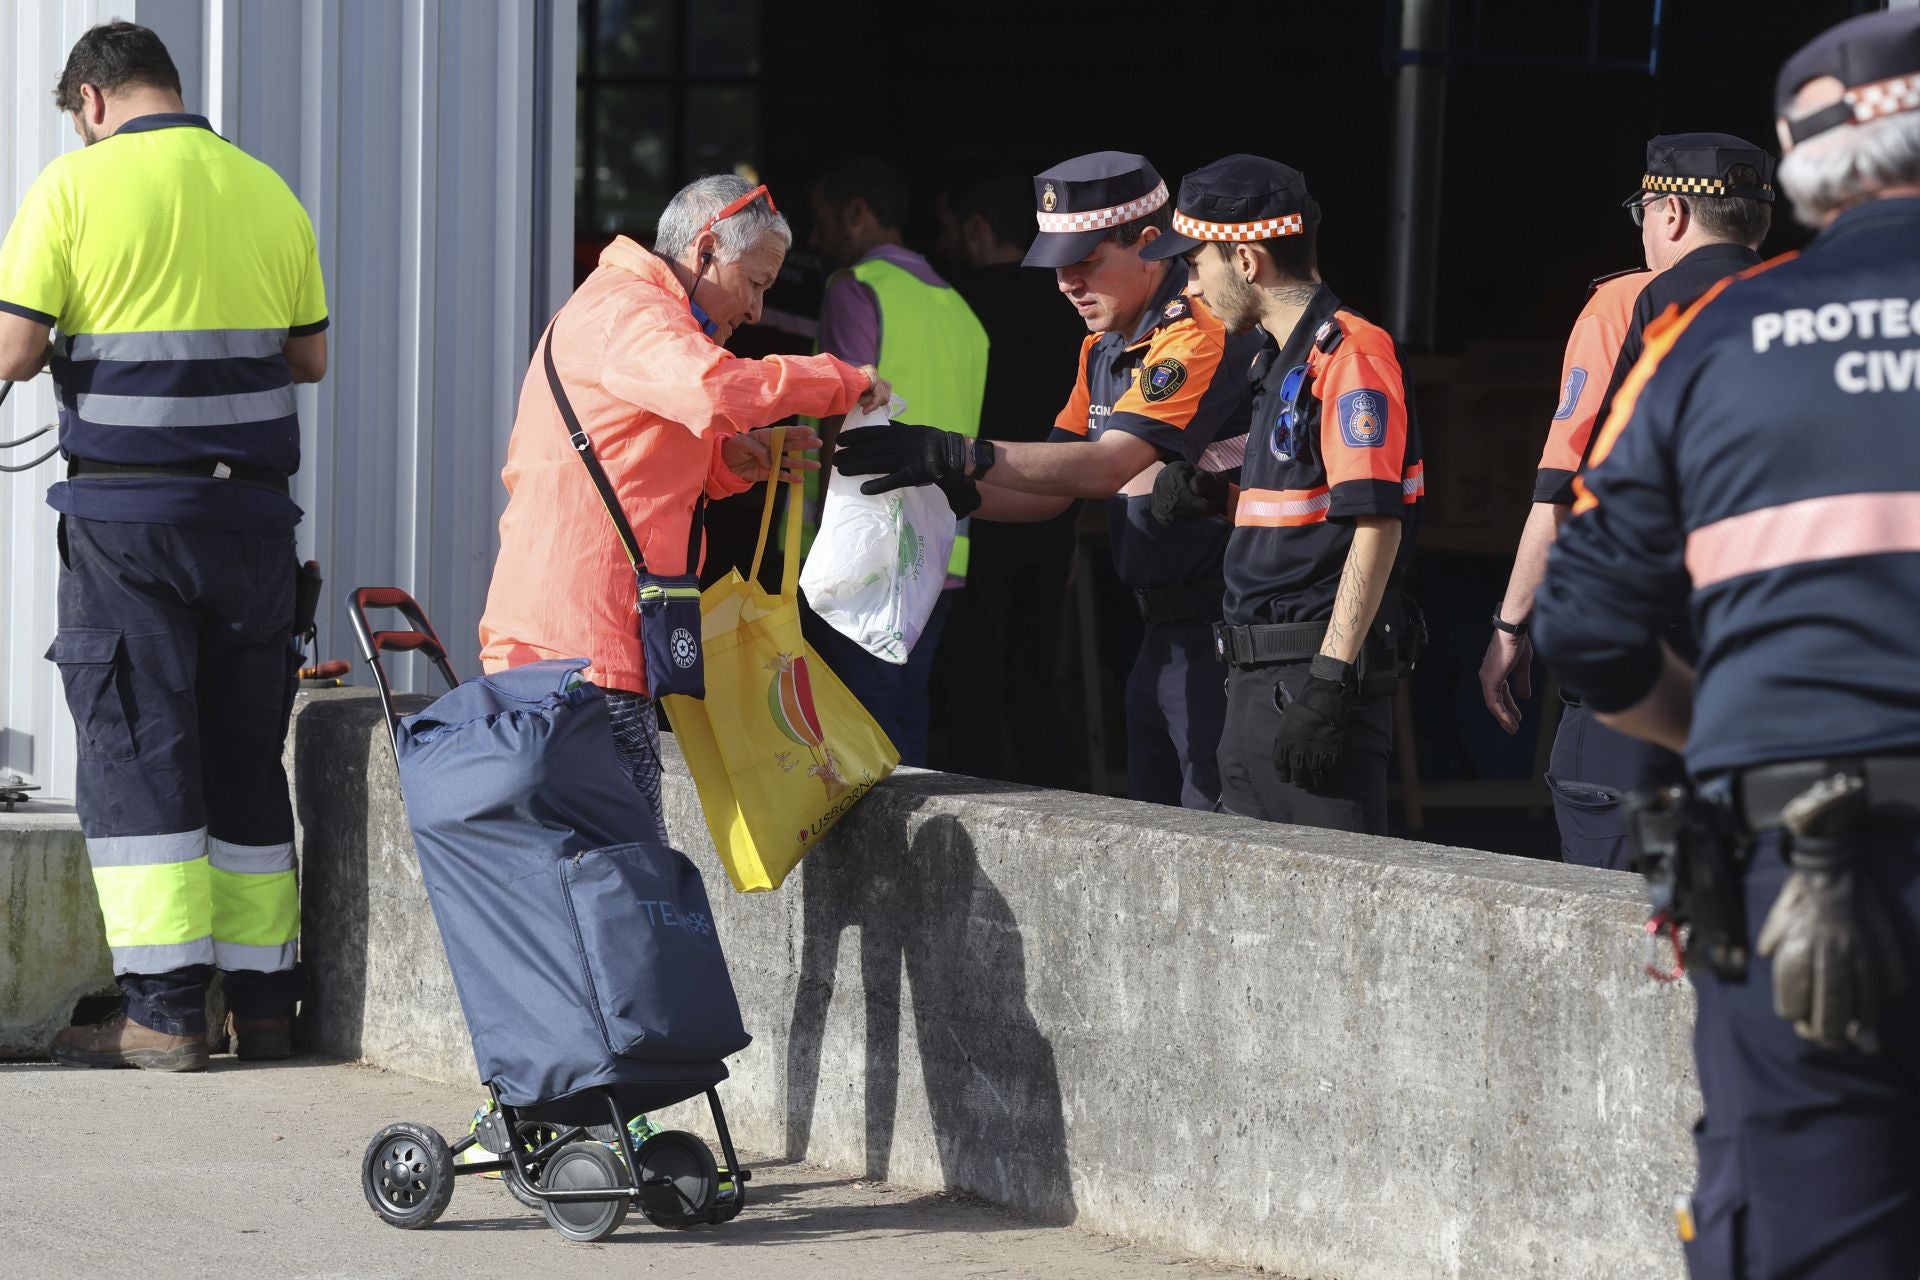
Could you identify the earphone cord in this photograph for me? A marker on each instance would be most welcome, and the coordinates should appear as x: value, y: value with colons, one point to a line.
x: 698, y: 277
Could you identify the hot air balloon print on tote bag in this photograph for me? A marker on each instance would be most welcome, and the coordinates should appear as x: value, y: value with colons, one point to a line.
x: 790, y: 699
x: 779, y: 750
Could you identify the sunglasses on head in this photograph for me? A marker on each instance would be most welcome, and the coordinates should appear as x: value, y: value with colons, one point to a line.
x: 758, y: 193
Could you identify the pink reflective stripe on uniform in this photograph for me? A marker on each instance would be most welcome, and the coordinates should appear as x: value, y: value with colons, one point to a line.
x: 1224, y: 455
x: 1830, y: 528
x: 1280, y: 508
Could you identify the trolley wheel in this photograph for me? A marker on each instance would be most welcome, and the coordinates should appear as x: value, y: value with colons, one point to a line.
x: 585, y: 1166
x: 679, y: 1181
x: 731, y: 1202
x: 407, y: 1175
x: 531, y: 1135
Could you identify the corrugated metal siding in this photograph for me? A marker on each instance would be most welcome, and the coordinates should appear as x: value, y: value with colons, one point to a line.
x: 408, y: 131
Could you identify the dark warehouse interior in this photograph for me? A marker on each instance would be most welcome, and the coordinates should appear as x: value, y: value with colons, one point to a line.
x: 1545, y: 112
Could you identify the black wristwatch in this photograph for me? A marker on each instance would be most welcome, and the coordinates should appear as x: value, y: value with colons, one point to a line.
x: 1511, y: 628
x: 983, y: 457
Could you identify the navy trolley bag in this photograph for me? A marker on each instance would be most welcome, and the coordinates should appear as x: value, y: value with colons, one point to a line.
x: 584, y: 952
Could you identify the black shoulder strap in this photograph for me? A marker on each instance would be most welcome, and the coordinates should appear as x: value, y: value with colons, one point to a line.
x: 608, y: 498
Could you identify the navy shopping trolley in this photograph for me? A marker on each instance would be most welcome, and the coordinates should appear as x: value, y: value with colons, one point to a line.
x: 583, y: 951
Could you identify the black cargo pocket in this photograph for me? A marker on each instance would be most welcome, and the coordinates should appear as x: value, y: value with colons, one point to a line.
x: 657, y: 981
x: 1593, y: 824
x: 92, y: 662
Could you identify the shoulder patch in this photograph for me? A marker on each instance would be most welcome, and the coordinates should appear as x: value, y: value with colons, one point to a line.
x: 1159, y: 380
x: 1178, y: 309
x: 1570, y: 393
x: 1328, y: 335
x: 1363, y: 418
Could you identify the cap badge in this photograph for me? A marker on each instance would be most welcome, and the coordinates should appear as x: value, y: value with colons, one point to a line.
x: 1048, y: 200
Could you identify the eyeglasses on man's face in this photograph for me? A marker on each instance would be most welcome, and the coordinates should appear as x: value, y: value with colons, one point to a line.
x: 1638, y: 206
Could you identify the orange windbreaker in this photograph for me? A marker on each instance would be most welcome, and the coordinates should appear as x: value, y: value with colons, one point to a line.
x: 657, y: 397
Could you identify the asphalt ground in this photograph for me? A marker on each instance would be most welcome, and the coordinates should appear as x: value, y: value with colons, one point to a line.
x: 253, y: 1170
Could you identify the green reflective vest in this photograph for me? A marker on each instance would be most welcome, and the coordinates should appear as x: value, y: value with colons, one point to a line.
x: 934, y: 352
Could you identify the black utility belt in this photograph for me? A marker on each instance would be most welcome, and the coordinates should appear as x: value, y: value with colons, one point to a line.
x: 1274, y: 644
x: 1263, y: 646
x: 231, y: 472
x: 1189, y: 602
x: 1893, y: 786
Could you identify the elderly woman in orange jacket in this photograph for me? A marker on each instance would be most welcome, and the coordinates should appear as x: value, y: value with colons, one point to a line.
x: 672, y: 416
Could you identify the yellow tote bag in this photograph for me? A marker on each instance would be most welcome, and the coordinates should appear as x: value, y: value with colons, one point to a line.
x: 778, y: 748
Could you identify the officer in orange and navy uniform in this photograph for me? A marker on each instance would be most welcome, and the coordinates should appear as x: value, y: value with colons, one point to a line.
x: 1159, y: 382
x: 1703, y: 206
x: 1759, y: 471
x: 1331, y: 492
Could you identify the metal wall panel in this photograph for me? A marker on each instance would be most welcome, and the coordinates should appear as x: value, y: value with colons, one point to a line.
x: 408, y: 128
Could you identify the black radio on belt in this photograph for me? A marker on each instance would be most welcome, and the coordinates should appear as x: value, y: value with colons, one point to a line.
x: 1687, y: 845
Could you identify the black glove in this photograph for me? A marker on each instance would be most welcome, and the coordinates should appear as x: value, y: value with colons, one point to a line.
x: 901, y: 454
x: 1183, y: 491
x: 1835, y: 957
x: 1313, y: 726
x: 963, y: 495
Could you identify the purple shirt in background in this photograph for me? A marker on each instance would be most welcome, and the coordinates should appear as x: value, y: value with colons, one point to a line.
x: 850, y: 314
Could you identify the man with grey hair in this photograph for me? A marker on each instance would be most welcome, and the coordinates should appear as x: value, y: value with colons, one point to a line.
x: 635, y: 362
x: 1760, y: 469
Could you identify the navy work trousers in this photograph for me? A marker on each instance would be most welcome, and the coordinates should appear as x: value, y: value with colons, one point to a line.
x: 1250, y: 783
x: 1592, y: 770
x: 1176, y: 708
x: 897, y: 695
x: 1809, y: 1157
x: 175, y: 650
x: 996, y: 679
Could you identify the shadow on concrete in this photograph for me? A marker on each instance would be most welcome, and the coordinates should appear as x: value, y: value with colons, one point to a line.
x: 772, y: 1215
x: 992, y: 1086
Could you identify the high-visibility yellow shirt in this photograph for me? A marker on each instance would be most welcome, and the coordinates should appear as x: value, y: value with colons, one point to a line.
x: 174, y: 267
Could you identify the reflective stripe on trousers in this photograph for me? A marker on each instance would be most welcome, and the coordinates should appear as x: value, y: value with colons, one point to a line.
x: 155, y: 899
x: 183, y: 898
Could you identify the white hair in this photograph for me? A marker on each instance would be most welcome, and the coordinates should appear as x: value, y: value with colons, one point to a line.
x: 1845, y: 165
x: 699, y: 200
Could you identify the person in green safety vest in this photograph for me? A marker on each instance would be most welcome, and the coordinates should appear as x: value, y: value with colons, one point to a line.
x: 887, y: 303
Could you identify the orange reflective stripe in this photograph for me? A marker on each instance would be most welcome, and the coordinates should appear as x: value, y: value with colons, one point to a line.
x: 1414, y: 486
x: 1282, y: 508
x: 1660, y: 335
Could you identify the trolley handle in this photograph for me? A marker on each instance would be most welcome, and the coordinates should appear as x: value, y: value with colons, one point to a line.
x: 419, y: 638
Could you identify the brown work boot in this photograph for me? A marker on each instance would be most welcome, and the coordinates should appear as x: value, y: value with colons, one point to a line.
x: 261, y: 1039
x: 122, y: 1042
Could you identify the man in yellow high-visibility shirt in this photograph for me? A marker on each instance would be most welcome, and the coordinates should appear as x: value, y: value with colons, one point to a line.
x: 186, y: 312
x: 888, y: 307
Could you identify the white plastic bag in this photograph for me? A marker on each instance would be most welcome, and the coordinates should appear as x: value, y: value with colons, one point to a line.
x: 878, y: 564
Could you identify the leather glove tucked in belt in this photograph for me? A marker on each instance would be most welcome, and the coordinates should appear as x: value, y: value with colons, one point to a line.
x: 901, y: 454
x: 1835, y: 957
x: 1313, y: 726
x: 1183, y: 491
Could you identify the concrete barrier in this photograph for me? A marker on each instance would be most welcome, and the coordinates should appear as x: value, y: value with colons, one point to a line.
x: 53, y: 952
x: 1326, y: 1055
